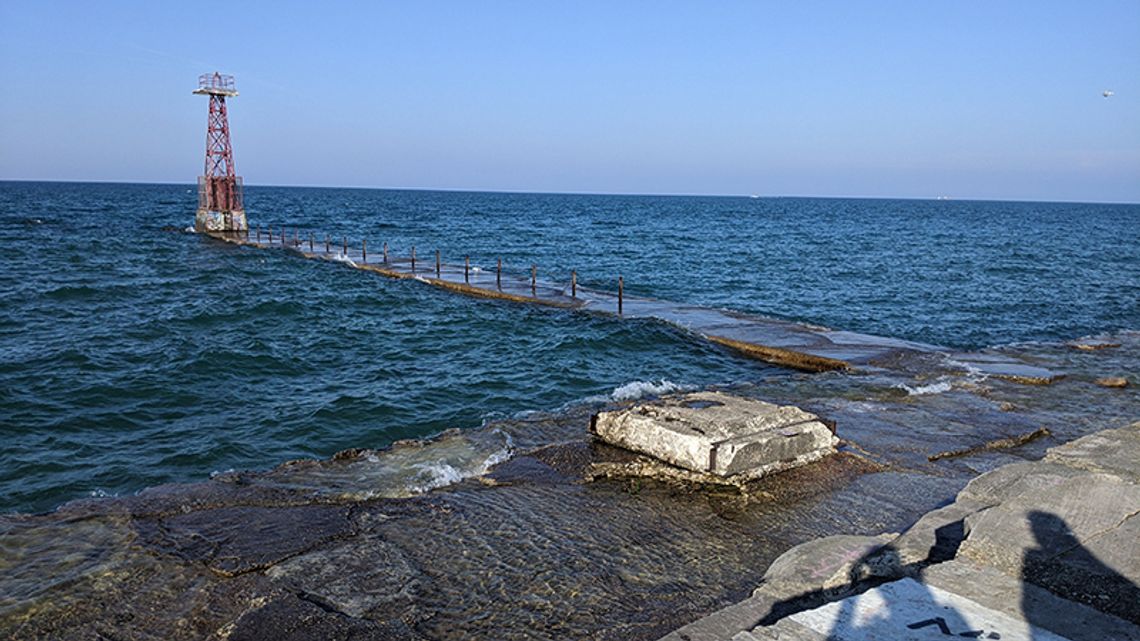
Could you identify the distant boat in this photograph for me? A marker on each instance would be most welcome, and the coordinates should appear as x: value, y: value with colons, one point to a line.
x: 1108, y: 92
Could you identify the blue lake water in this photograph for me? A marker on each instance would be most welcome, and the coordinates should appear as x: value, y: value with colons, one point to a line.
x: 130, y: 356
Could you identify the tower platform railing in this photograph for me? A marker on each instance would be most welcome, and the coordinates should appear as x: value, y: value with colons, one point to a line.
x: 216, y: 84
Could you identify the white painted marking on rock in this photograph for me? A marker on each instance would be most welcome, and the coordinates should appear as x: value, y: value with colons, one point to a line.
x: 907, y: 609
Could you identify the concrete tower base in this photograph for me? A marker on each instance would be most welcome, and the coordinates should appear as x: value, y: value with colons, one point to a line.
x: 220, y: 221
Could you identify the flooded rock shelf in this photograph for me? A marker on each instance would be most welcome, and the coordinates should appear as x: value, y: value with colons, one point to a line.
x: 506, y: 532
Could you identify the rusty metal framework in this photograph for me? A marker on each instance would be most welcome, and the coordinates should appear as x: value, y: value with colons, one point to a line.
x: 222, y: 187
x: 219, y: 187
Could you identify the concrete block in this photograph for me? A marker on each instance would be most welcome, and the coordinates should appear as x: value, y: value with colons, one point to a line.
x: 908, y: 609
x: 716, y: 433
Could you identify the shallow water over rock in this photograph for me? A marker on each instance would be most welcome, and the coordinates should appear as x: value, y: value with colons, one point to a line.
x: 522, y: 547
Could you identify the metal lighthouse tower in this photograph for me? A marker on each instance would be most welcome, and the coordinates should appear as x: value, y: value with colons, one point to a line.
x: 220, y: 207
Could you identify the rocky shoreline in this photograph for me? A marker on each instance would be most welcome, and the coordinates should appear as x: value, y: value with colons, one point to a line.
x: 1051, y: 545
x: 530, y: 528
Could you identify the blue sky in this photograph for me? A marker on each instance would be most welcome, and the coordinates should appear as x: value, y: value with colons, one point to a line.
x: 966, y: 99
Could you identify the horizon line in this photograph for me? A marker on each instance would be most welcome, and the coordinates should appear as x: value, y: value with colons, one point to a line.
x: 946, y: 198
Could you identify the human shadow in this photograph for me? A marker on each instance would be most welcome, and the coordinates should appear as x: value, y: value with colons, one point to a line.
x: 884, y: 599
x: 903, y: 608
x: 1062, y: 565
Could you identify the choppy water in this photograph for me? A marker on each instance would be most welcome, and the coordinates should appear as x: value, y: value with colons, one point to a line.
x: 131, y: 357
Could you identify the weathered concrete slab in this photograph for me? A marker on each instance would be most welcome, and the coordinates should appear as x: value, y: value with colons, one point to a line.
x: 908, y: 609
x: 1041, y: 608
x: 716, y: 433
x: 1109, y: 452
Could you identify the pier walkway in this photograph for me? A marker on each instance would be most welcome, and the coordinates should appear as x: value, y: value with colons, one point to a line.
x: 779, y: 342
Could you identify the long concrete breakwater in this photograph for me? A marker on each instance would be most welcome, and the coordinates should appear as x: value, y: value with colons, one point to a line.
x: 784, y: 343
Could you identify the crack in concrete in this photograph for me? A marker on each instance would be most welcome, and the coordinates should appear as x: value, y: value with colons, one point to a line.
x: 1094, y: 536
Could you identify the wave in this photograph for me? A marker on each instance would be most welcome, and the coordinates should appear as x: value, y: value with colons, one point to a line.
x: 632, y: 391
x: 434, y: 475
x: 635, y: 390
x: 342, y: 258
x: 973, y: 373
x: 405, y: 469
x: 437, y: 475
x: 922, y: 390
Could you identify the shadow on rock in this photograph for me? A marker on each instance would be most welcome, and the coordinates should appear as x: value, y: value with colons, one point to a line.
x: 1062, y: 565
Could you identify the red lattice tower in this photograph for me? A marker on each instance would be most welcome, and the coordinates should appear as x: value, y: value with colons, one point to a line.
x: 220, y: 207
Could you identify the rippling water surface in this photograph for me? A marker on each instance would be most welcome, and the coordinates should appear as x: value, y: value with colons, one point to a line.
x: 130, y: 356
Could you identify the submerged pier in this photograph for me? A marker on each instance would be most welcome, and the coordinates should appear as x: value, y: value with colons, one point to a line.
x: 789, y: 344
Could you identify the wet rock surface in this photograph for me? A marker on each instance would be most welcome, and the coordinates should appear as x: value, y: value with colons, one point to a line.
x: 1112, y: 381
x: 296, y: 618
x: 236, y: 540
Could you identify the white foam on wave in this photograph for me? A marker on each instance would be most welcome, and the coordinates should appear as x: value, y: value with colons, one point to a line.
x: 631, y: 391
x: 432, y: 475
x: 343, y: 258
x: 640, y: 389
x: 974, y: 374
x: 862, y: 407
x: 931, y: 388
x: 501, y: 454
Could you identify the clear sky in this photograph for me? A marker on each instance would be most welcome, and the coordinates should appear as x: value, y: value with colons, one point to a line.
x: 899, y: 99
